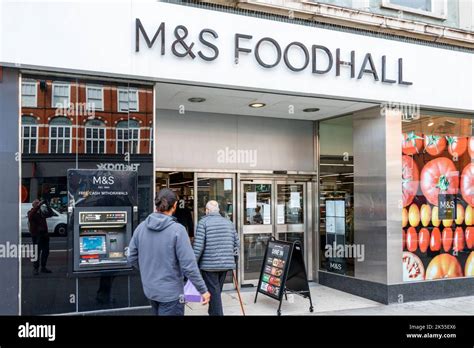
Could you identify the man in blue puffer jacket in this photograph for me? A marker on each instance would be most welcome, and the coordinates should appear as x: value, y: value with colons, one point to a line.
x: 216, y: 246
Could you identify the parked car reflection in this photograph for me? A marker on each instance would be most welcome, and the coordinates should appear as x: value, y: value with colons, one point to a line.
x: 57, y: 224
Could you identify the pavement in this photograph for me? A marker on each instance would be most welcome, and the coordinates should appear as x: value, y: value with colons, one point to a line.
x: 326, y: 301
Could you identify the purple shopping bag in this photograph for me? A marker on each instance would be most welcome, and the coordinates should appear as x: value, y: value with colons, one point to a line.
x: 190, y: 293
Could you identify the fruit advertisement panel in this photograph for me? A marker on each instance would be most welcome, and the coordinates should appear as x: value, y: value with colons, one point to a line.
x: 438, y: 206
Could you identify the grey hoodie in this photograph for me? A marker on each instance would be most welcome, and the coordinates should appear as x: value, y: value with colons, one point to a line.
x: 161, y: 250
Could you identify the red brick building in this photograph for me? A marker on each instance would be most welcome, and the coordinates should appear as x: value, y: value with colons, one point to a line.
x: 64, y: 116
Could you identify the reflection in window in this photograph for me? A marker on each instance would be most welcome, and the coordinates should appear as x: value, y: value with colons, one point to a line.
x: 128, y: 137
x: 95, y: 97
x: 127, y: 100
x: 151, y: 139
x: 95, y: 136
x: 61, y: 95
x: 45, y: 177
x: 60, y: 130
x: 28, y: 94
x: 29, y: 128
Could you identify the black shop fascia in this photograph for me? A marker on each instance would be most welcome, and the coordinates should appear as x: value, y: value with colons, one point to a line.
x: 182, y: 46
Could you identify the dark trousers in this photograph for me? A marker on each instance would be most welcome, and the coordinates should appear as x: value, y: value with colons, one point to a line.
x: 42, y: 243
x: 175, y: 308
x: 214, y: 282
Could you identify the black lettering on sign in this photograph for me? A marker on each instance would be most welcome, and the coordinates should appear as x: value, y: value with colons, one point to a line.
x: 188, y: 50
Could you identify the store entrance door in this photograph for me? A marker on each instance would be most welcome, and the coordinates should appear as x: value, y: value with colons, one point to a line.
x: 219, y: 187
x: 269, y: 208
x: 195, y: 190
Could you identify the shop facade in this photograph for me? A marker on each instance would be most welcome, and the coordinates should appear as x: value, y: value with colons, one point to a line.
x: 354, y: 144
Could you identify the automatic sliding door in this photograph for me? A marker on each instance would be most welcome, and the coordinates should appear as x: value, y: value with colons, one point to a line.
x: 290, y: 211
x: 216, y: 187
x: 257, y: 225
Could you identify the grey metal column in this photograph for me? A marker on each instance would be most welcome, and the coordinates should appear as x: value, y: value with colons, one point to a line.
x: 9, y: 188
x: 393, y: 130
x: 370, y: 194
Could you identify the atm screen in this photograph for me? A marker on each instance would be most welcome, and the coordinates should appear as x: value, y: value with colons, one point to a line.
x: 93, y: 245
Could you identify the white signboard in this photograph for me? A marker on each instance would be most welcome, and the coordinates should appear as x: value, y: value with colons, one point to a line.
x: 280, y: 214
x: 295, y: 201
x: 227, y: 184
x: 340, y: 208
x: 330, y: 224
x: 114, y: 37
x: 266, y: 214
x: 251, y: 200
x: 330, y: 208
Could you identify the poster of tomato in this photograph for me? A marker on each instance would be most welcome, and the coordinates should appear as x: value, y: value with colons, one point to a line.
x: 435, y: 166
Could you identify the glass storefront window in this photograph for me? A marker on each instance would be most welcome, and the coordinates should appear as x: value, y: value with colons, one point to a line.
x: 437, y: 197
x: 217, y: 189
x: 60, y: 131
x: 336, y: 189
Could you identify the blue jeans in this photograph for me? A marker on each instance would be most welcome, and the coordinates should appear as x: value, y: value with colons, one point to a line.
x: 214, y: 282
x: 175, y: 308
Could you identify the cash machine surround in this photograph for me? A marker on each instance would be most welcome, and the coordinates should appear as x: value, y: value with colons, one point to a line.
x: 100, y: 237
x: 102, y: 213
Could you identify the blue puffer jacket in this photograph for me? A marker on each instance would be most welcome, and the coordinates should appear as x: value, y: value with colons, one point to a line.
x: 216, y: 243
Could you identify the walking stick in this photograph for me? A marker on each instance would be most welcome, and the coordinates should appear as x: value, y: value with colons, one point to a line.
x: 238, y: 291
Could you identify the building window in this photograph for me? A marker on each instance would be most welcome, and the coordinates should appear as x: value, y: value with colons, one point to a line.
x: 95, y: 97
x: 424, y: 5
x: 128, y: 137
x: 29, y: 94
x: 127, y: 99
x: 29, y: 128
x: 60, y: 130
x: 431, y: 8
x: 61, y: 95
x: 95, y: 137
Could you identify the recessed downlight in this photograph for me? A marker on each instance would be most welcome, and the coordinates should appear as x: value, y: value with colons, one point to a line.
x: 196, y: 100
x: 257, y: 105
x: 430, y: 124
x: 311, y: 110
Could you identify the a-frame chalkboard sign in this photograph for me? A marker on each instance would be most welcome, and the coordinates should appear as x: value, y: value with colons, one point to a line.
x: 283, y: 271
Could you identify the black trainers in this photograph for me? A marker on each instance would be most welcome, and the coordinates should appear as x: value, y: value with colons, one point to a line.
x: 45, y: 270
x: 35, y: 271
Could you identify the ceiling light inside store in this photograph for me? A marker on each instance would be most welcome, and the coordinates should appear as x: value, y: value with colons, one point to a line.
x: 257, y: 105
x: 196, y: 100
x: 311, y: 110
x: 430, y: 124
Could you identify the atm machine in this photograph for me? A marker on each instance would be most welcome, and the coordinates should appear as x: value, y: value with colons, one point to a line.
x: 102, y: 213
x: 101, y: 236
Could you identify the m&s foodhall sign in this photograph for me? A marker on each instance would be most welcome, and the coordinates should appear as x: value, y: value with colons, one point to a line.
x: 354, y: 64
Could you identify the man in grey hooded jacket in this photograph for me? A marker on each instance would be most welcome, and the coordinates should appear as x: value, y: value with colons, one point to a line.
x: 161, y: 250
